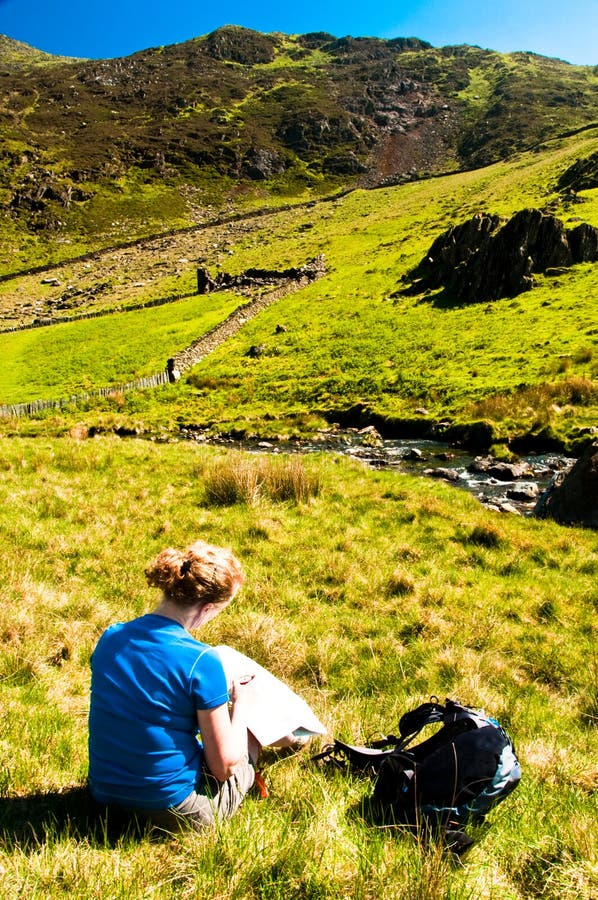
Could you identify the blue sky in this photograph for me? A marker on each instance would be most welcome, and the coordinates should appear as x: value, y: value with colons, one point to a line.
x: 567, y: 29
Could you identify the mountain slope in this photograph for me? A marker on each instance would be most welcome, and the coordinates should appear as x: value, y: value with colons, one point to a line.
x: 98, y: 151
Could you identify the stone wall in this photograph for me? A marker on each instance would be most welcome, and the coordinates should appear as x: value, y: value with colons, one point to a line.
x: 19, y: 410
x: 205, y: 344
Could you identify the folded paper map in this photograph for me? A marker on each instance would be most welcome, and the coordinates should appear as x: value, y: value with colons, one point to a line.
x: 277, y: 711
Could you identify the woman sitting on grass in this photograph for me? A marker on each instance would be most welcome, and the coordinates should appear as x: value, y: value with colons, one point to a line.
x: 154, y: 686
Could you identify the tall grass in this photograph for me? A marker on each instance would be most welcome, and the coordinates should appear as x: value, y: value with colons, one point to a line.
x: 237, y: 478
x: 367, y: 596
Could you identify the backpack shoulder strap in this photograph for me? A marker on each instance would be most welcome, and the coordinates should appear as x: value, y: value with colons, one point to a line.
x: 356, y: 758
x: 369, y: 758
x: 412, y: 722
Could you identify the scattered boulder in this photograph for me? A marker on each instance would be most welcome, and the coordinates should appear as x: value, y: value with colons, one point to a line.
x: 502, y: 471
x: 486, y: 258
x: 504, y: 507
x: 443, y: 473
x: 524, y: 493
x: 256, y: 350
x: 370, y: 437
x: 572, y: 497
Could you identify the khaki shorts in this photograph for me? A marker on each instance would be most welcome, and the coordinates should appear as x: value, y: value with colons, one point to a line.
x: 211, y: 801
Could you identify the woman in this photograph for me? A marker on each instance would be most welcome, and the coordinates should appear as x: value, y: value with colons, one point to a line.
x: 153, y: 687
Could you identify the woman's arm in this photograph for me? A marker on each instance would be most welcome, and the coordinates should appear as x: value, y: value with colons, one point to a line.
x: 224, y: 733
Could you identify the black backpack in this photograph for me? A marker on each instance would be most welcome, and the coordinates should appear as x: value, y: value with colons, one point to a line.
x: 443, y: 784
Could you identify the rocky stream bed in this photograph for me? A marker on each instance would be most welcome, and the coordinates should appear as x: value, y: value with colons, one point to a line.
x: 505, y: 486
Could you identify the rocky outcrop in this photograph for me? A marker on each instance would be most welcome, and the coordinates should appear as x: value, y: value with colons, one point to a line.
x: 260, y: 163
x: 244, y: 106
x: 232, y: 43
x: 486, y: 258
x: 572, y: 497
x: 581, y: 176
x: 583, y: 241
x: 343, y: 164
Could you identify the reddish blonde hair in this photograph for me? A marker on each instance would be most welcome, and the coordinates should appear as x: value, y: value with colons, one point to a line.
x: 200, y: 574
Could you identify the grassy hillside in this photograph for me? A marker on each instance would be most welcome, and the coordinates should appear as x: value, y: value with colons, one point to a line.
x: 24, y: 57
x: 368, y: 593
x: 526, y: 364
x: 75, y: 357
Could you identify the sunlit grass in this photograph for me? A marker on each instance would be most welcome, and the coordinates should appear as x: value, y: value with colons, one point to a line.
x: 72, y: 358
x: 368, y: 594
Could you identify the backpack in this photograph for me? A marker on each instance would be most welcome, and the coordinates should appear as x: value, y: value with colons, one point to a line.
x: 442, y: 785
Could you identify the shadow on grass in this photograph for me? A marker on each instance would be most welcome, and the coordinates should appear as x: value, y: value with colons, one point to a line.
x: 453, y: 842
x: 446, y: 299
x: 440, y: 298
x: 31, y: 820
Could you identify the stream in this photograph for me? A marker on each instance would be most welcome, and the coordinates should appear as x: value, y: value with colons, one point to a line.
x: 502, y: 486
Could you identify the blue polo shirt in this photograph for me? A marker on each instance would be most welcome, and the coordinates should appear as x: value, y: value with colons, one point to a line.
x: 148, y: 679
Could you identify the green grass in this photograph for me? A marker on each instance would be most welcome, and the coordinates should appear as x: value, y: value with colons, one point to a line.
x: 367, y: 592
x: 166, y: 146
x: 133, y: 344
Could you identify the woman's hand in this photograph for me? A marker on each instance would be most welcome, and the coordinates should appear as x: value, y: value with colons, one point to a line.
x: 224, y: 734
x: 242, y: 689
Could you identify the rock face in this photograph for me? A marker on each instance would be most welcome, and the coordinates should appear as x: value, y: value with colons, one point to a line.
x: 260, y: 164
x: 582, y: 175
x: 583, y: 241
x: 486, y: 258
x: 572, y: 498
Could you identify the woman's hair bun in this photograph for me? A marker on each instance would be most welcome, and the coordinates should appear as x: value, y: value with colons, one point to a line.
x: 202, y: 573
x: 165, y: 569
